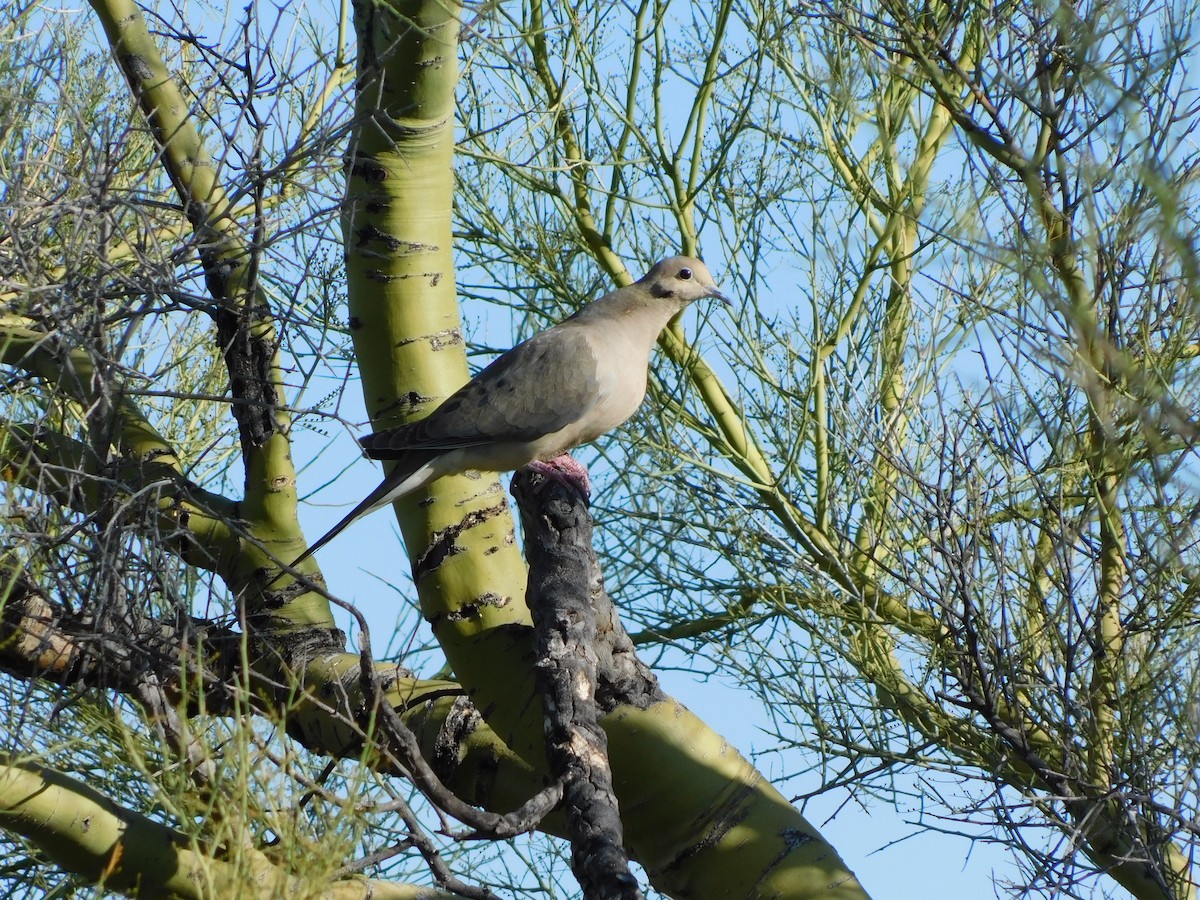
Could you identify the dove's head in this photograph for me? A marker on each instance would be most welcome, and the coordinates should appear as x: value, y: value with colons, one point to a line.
x: 682, y: 280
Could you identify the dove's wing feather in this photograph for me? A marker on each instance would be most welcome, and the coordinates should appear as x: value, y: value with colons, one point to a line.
x: 538, y: 388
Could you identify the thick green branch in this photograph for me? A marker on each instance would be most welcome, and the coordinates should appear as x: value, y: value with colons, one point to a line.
x: 88, y: 834
x: 245, y: 326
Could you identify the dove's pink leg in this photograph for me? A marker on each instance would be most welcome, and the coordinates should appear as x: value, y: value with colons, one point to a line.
x: 566, y: 470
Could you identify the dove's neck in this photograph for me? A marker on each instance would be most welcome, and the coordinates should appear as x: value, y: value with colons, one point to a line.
x: 633, y: 313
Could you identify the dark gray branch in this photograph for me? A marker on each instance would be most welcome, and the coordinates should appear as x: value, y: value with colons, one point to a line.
x: 564, y: 592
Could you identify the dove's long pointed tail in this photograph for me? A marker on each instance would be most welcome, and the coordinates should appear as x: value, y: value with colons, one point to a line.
x: 394, y: 486
x: 374, y: 499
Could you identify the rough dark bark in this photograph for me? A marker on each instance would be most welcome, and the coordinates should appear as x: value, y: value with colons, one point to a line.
x: 563, y: 594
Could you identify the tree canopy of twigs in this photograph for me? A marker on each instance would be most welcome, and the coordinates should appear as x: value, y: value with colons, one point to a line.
x: 928, y: 493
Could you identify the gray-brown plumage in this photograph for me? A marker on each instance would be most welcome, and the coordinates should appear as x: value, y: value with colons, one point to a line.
x: 561, y: 388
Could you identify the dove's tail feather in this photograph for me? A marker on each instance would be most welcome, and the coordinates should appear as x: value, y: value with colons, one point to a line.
x: 400, y: 482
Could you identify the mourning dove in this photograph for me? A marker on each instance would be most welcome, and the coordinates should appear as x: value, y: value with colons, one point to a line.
x: 561, y: 388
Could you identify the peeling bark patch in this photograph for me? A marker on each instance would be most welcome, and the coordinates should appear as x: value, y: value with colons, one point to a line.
x: 432, y: 277
x: 723, y: 820
x: 405, y: 403
x: 794, y: 837
x: 472, y: 609
x: 466, y: 612
x: 412, y: 401
x: 370, y: 234
x: 158, y: 453
x: 279, y: 598
x: 444, y: 543
x: 493, y: 599
x: 388, y: 679
x: 366, y: 168
x: 296, y: 649
x: 462, y: 721
x: 250, y: 362
x: 137, y: 67
x: 492, y: 487
x: 387, y: 277
x: 418, y: 247
x: 439, y: 340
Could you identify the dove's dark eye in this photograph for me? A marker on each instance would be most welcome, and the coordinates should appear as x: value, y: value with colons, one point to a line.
x: 685, y: 274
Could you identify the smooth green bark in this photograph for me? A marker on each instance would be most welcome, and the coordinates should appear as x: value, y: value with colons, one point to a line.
x: 86, y: 833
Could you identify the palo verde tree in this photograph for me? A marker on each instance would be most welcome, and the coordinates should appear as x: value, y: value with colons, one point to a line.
x: 927, y: 494
x: 116, y: 288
